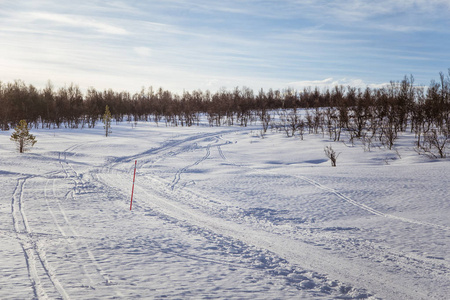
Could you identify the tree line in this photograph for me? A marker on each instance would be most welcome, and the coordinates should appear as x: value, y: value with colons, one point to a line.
x: 362, y: 113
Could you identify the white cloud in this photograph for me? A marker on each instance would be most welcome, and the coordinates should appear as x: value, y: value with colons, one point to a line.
x: 312, y: 83
x: 77, y: 21
x: 331, y: 82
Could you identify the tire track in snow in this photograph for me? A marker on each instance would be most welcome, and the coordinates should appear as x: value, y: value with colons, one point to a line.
x: 80, y: 244
x: 165, y: 149
x: 60, y: 229
x: 29, y: 257
x: 32, y: 250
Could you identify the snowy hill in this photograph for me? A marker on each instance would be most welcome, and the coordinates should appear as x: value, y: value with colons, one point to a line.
x: 219, y: 212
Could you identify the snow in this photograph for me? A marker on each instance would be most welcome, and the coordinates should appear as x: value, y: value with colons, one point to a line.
x: 220, y: 212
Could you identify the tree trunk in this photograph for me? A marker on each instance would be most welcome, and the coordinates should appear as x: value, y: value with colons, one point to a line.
x: 21, y: 142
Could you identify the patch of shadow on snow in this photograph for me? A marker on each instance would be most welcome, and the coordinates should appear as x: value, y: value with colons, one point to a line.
x: 274, y: 162
x: 315, y: 161
x: 274, y: 216
x: 435, y: 257
x: 2, y: 172
x: 338, y: 228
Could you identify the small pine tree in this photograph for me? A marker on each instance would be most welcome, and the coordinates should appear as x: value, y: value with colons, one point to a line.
x: 22, y: 137
x: 107, y: 121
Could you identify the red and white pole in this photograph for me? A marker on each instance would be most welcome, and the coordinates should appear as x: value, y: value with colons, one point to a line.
x: 132, y: 190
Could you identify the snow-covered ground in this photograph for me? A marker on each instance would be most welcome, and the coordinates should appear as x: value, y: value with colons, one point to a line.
x: 219, y: 212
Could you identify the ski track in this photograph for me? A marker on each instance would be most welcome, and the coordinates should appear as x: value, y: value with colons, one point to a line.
x: 368, y: 208
x: 35, y: 256
x: 44, y: 280
x: 183, y: 170
x: 179, y: 172
x: 222, y: 155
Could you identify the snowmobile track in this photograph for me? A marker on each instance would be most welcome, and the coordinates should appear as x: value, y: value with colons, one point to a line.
x: 39, y: 269
x: 76, y: 244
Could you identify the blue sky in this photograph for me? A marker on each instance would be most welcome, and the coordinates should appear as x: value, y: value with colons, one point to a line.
x: 199, y: 44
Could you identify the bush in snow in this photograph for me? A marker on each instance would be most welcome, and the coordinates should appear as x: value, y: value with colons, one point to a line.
x: 331, y: 154
x: 434, y: 144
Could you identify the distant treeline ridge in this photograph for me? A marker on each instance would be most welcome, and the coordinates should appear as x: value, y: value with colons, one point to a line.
x: 69, y: 107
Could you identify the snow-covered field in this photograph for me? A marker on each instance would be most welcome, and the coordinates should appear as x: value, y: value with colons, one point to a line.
x: 219, y: 212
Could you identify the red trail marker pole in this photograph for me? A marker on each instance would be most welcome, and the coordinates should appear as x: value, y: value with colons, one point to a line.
x: 132, y: 190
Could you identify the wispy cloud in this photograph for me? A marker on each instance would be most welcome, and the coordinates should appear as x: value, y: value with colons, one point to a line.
x: 76, y: 21
x: 331, y: 82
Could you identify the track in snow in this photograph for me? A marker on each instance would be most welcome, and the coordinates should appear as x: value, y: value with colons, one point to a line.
x: 179, y: 172
x: 368, y: 208
x: 193, y: 210
x: 215, y: 215
x: 87, y: 261
x: 260, y: 237
x: 39, y: 269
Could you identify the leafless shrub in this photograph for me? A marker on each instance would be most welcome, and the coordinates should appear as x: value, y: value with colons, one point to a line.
x: 290, y: 122
x: 301, y: 128
x: 331, y: 154
x: 388, y: 135
x: 351, y: 138
x: 366, y: 140
x: 434, y: 144
x: 265, y: 118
